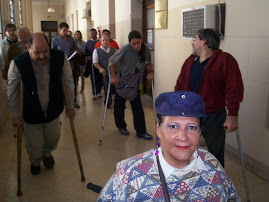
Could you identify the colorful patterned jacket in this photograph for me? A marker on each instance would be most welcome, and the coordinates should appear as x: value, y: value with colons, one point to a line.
x: 137, y: 179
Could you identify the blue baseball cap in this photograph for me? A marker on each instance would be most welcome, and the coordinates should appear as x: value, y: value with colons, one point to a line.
x: 180, y: 103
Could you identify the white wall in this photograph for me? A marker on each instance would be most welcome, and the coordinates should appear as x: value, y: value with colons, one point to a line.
x: 70, y: 9
x: 128, y: 17
x: 247, y: 39
x: 100, y: 13
x: 123, y: 20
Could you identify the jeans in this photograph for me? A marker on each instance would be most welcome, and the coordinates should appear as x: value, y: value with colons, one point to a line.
x: 82, y: 77
x: 138, y: 114
x: 214, y: 133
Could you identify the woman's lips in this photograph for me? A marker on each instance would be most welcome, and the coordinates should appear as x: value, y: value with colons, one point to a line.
x: 182, y: 147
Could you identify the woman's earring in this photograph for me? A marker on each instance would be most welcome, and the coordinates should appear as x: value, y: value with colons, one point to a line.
x: 158, y: 145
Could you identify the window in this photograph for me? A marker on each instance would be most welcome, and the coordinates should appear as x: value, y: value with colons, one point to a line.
x: 20, y: 12
x: 12, y: 12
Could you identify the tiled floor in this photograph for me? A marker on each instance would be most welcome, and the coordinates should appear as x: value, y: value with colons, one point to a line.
x: 63, y: 183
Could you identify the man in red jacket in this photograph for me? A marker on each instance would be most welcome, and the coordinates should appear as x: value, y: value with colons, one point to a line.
x: 112, y: 43
x: 216, y: 77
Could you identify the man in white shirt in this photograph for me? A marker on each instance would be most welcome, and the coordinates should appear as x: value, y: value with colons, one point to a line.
x: 100, y: 58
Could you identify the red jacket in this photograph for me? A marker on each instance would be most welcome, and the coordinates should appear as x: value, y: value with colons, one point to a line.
x: 221, y: 83
x: 112, y: 43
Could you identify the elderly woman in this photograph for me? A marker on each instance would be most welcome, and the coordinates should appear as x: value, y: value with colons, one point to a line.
x: 177, y: 170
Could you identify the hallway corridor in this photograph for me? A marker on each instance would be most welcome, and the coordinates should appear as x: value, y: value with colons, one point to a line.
x: 62, y: 183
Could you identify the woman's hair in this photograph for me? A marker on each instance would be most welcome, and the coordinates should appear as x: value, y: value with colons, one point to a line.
x: 79, y: 34
x: 160, y: 119
x: 142, y: 53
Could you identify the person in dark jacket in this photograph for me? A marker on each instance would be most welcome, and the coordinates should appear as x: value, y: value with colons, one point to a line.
x: 216, y: 77
x: 40, y: 71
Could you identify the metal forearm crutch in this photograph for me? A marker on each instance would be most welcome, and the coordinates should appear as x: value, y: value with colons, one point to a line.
x: 242, y: 163
x: 107, y: 97
x: 104, y: 78
x: 93, y: 78
x: 19, y: 142
x: 73, y: 130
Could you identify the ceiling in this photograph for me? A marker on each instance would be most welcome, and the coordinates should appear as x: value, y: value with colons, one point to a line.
x: 45, y: 2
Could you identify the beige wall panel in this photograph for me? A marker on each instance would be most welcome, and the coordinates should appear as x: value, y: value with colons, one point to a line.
x: 100, y: 13
x: 123, y: 21
x: 247, y: 18
x: 27, y: 14
x: 254, y: 136
x: 112, y: 27
x: 258, y: 60
x: 5, y: 13
x: 246, y: 38
x: 40, y: 13
x: 136, y: 16
x: 70, y: 8
x: 122, y: 30
x: 17, y: 13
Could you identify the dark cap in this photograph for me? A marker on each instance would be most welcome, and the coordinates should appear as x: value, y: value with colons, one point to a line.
x: 180, y: 103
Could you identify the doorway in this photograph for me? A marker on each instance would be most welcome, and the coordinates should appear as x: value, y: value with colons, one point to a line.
x: 148, y: 37
x: 50, y: 29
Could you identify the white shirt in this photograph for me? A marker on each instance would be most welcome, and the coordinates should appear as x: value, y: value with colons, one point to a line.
x: 95, y: 58
x: 196, y: 163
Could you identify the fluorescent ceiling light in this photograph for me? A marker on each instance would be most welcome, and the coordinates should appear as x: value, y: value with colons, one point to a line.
x: 51, y: 10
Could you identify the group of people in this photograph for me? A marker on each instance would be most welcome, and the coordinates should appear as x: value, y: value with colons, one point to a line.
x: 209, y: 81
x: 177, y: 170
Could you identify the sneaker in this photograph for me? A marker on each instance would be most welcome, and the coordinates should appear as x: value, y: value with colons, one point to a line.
x: 146, y: 136
x: 76, y: 105
x: 48, y: 162
x: 35, y: 170
x: 99, y: 95
x: 123, y: 131
x: 81, y: 91
x: 94, y: 97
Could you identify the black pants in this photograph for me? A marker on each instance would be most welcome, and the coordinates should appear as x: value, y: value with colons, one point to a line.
x: 98, y: 78
x: 138, y: 113
x: 214, y: 133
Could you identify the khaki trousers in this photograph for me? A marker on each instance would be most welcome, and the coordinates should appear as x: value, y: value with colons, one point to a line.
x: 41, y: 139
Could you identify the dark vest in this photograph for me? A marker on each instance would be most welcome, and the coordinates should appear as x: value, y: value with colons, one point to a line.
x: 103, y: 57
x: 32, y: 111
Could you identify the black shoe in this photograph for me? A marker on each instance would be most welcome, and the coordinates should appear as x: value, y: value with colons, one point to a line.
x: 48, y: 162
x: 146, y: 136
x: 123, y: 131
x: 35, y: 170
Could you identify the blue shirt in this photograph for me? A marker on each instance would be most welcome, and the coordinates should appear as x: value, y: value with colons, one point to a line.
x: 196, y: 74
x: 67, y: 46
x: 89, y: 47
